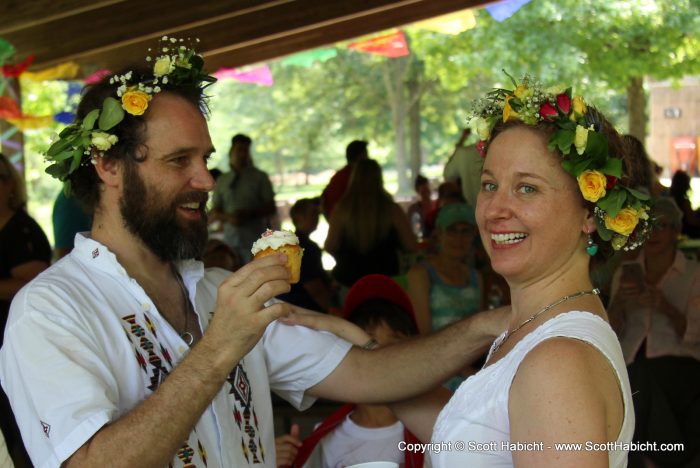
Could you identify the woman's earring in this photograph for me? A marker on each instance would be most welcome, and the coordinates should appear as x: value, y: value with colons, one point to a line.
x: 592, y: 247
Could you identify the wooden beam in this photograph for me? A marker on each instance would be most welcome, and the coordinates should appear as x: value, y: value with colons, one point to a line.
x: 254, y: 31
x: 22, y: 14
x: 340, y: 29
x: 115, y: 25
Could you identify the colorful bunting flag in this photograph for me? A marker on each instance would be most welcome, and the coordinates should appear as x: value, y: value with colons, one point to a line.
x: 452, y: 23
x: 64, y: 117
x: 503, y: 10
x: 261, y: 75
x: 31, y: 122
x: 306, y: 59
x: 9, y: 108
x: 6, y: 51
x: 97, y: 76
x: 14, y: 71
x: 62, y: 71
x: 390, y: 45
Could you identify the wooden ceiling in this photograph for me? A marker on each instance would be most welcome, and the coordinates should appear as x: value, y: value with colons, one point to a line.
x: 112, y: 34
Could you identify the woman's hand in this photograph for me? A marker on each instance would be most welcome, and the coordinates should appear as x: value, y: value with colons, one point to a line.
x: 326, y: 322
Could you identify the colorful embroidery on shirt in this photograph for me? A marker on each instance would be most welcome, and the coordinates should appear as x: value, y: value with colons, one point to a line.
x: 245, y: 416
x: 185, y: 455
x: 46, y: 428
x: 202, y: 452
x: 158, y: 371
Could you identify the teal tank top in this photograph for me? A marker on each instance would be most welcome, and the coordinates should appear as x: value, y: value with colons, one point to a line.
x: 451, y: 303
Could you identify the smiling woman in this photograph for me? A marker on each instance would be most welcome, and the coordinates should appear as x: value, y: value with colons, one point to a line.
x: 553, y: 190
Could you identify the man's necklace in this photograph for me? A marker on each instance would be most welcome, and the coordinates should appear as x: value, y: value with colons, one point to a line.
x: 498, y: 344
x: 186, y: 336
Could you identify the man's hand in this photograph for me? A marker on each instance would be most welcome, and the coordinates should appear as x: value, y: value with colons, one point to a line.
x: 287, y: 447
x: 240, y: 317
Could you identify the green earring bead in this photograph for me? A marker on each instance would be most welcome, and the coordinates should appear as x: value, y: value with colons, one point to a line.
x: 592, y: 247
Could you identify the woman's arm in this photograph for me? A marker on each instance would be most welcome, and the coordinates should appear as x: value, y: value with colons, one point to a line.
x: 419, y: 293
x: 564, y: 392
x: 20, y: 275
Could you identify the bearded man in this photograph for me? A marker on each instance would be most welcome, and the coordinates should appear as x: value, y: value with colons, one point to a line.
x: 127, y: 352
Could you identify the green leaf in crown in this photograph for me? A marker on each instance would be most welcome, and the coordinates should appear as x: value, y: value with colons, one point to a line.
x: 178, y: 65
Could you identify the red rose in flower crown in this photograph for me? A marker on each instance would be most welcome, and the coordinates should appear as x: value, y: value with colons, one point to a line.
x: 547, y: 110
x: 621, y: 212
x: 564, y: 102
x: 481, y: 148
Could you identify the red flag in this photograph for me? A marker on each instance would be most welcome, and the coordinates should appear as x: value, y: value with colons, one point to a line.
x: 13, y: 71
x: 389, y: 45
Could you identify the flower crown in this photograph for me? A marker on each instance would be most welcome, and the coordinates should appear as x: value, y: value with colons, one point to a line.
x: 621, y: 213
x: 179, y: 65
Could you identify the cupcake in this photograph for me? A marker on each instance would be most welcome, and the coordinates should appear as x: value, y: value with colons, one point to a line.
x: 281, y: 242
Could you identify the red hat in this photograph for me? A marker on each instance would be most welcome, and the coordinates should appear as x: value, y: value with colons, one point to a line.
x: 377, y: 286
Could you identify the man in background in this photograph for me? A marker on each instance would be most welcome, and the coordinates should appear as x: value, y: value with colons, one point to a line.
x: 243, y: 199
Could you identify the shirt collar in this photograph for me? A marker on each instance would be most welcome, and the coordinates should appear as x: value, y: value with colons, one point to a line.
x: 97, y: 255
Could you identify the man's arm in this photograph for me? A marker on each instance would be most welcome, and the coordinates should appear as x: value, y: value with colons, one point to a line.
x: 411, y: 367
x: 164, y: 420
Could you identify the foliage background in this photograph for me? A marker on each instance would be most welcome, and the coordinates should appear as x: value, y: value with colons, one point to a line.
x: 607, y: 49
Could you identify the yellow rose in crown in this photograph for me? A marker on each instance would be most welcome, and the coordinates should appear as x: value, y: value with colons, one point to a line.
x: 592, y: 185
x: 135, y: 102
x: 624, y: 223
x: 579, y: 106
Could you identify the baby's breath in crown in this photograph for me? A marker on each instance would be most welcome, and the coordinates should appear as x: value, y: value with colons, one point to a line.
x: 621, y: 213
x: 177, y: 64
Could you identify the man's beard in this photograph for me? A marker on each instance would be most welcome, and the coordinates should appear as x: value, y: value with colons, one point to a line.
x: 154, y: 220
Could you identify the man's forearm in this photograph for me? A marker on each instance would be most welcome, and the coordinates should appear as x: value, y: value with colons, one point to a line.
x: 411, y: 367
x: 163, y: 421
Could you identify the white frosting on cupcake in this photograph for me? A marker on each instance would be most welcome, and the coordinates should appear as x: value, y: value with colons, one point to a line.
x: 274, y: 240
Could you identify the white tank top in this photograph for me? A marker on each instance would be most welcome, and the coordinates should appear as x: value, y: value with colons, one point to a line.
x: 477, y: 414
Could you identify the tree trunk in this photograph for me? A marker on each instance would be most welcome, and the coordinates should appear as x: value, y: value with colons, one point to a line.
x: 636, y: 107
x: 414, y: 126
x: 394, y: 71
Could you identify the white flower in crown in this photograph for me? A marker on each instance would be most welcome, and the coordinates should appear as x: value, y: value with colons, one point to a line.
x: 163, y: 66
x: 482, y: 127
x: 102, y: 140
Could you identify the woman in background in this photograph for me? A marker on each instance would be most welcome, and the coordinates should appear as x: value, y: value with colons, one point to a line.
x: 367, y: 230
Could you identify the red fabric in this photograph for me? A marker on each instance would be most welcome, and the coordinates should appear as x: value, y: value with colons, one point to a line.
x: 412, y: 459
x: 9, y: 108
x: 376, y: 286
x: 14, y: 71
x: 335, y: 190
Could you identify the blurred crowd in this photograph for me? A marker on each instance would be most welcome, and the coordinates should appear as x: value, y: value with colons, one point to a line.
x: 429, y: 258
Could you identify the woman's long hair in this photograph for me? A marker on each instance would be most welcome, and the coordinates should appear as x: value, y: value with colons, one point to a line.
x: 364, y: 211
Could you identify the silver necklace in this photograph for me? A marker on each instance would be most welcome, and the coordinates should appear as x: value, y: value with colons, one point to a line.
x: 186, y: 336
x: 498, y: 344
